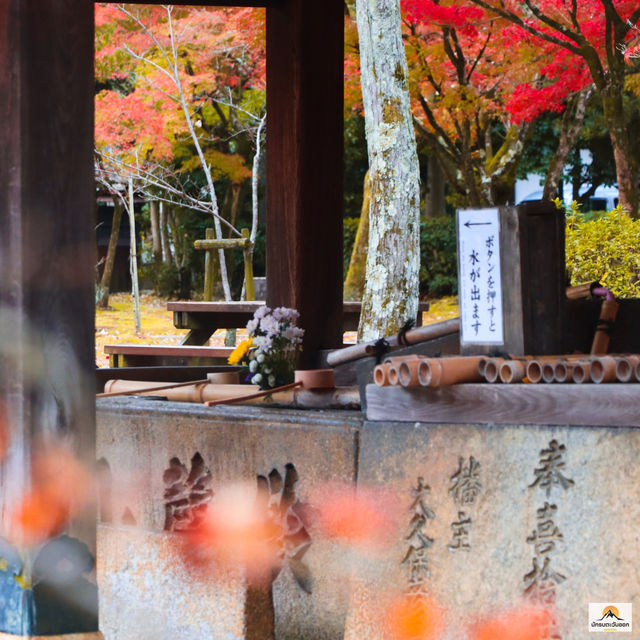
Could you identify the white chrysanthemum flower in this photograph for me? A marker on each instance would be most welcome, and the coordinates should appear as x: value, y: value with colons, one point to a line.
x: 257, y: 379
x: 253, y: 366
x: 270, y: 326
x: 271, y: 380
x: 252, y: 325
x: 264, y: 343
x: 261, y: 312
x: 293, y: 334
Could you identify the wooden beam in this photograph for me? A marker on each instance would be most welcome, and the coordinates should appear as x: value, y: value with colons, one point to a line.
x: 607, y: 405
x: 47, y: 254
x: 305, y: 165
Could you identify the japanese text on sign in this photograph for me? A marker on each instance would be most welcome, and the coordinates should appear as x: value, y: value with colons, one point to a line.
x: 479, y: 276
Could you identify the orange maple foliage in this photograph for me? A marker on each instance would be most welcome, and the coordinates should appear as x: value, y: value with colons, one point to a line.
x: 530, y: 622
x: 61, y: 487
x: 221, y: 53
x: 234, y: 532
x: 411, y: 617
x: 365, y: 518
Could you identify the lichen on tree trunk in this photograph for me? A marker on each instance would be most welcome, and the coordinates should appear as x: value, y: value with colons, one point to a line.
x: 393, y: 261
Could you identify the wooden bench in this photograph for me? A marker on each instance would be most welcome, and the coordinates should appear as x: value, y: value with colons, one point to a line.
x: 202, y: 319
x: 143, y: 355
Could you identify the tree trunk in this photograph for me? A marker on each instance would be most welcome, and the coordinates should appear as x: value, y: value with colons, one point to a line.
x: 393, y: 261
x: 102, y: 293
x: 155, y: 232
x: 167, y: 258
x: 434, y: 202
x: 177, y: 238
x: 572, y: 120
x: 626, y: 170
x: 355, y: 280
x: 232, y: 201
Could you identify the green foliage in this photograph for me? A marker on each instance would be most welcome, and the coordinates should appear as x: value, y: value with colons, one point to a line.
x: 349, y: 230
x: 166, y: 278
x: 604, y: 247
x: 438, y: 256
x: 356, y: 163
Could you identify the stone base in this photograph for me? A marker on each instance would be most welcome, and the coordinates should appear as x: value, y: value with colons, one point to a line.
x: 96, y: 635
x: 498, y: 517
x: 146, y: 592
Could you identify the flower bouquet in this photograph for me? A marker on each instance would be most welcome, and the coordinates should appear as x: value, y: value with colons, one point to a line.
x: 271, y: 349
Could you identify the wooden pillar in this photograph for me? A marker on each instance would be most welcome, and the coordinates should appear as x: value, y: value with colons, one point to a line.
x: 305, y: 166
x: 47, y: 263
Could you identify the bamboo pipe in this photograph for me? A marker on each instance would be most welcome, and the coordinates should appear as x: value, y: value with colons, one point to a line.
x: 337, y: 398
x: 534, y: 371
x: 148, y: 387
x: 413, y: 336
x: 535, y: 365
x: 513, y: 371
x: 408, y: 371
x: 380, y: 374
x: 386, y: 374
x: 440, y: 372
x: 491, y: 372
x: 548, y: 372
x: 188, y: 392
x: 392, y: 374
x: 608, y: 313
x: 581, y: 372
x: 626, y: 368
x: 562, y: 371
x: 482, y: 364
x: 603, y: 369
x: 253, y: 396
x: 582, y: 290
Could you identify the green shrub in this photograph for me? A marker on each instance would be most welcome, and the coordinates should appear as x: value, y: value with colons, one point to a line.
x: 604, y: 247
x: 167, y: 280
x: 438, y: 256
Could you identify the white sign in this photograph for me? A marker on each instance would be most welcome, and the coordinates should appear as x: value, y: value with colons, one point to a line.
x: 605, y: 617
x: 479, y: 283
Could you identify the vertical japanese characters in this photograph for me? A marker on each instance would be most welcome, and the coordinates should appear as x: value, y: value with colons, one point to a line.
x: 479, y: 276
x: 544, y: 577
x: 465, y: 488
x: 418, y: 541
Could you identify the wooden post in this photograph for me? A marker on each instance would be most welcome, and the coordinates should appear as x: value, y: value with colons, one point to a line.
x: 247, y: 251
x: 47, y: 266
x: 304, y: 166
x: 209, y: 266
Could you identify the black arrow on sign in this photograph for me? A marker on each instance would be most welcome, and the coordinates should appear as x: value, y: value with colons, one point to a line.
x: 475, y: 224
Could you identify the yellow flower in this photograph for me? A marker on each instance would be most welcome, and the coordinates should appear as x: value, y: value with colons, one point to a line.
x: 240, y: 351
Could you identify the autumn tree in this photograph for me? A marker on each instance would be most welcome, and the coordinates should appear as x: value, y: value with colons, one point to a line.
x: 393, y: 259
x: 463, y: 67
x: 190, y: 101
x: 596, y: 38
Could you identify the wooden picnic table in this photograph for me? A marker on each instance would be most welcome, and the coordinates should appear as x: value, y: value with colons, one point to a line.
x: 202, y: 319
